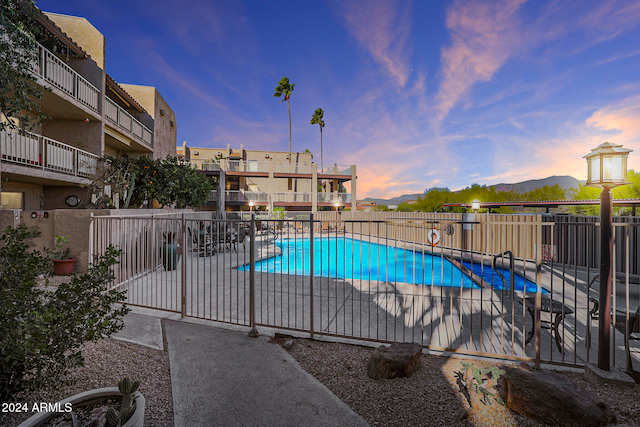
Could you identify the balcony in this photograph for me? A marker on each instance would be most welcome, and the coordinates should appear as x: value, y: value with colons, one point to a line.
x: 341, y: 198
x: 39, y: 152
x: 336, y: 170
x: 292, y: 197
x: 246, y: 196
x: 124, y: 121
x: 292, y: 168
x: 55, y: 72
x: 209, y: 166
x: 213, y: 196
x: 244, y: 166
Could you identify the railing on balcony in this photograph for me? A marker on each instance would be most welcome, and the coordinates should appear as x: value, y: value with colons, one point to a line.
x: 208, y: 166
x: 292, y: 197
x: 292, y: 168
x: 213, y: 196
x: 37, y: 151
x: 336, y: 170
x: 246, y: 166
x: 54, y: 71
x: 246, y: 196
x: 125, y: 121
x: 342, y: 198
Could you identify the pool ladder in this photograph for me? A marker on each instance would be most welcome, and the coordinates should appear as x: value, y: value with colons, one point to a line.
x: 511, y: 285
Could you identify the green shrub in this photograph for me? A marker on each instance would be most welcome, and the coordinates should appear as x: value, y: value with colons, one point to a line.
x: 42, y: 331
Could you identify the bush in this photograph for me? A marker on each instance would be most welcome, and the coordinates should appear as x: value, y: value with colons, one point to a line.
x: 42, y: 331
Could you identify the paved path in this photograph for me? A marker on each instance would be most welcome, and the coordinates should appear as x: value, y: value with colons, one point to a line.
x: 224, y: 378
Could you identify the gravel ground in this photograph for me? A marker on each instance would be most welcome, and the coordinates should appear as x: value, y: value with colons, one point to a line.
x: 431, y: 396
x: 106, y: 363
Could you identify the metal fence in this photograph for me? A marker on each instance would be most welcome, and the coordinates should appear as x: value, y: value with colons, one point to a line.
x: 491, y: 289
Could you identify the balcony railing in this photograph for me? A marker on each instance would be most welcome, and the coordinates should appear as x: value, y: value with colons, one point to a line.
x: 342, y: 198
x: 246, y: 166
x: 336, y: 170
x: 292, y: 168
x: 209, y: 166
x: 125, y: 121
x: 37, y: 151
x: 213, y: 196
x: 246, y: 196
x: 54, y: 71
x: 292, y: 197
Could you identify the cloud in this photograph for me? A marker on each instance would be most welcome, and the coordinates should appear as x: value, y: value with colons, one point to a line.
x: 484, y: 36
x: 620, y: 120
x: 611, y: 18
x: 182, y: 80
x: 382, y: 28
x: 620, y: 56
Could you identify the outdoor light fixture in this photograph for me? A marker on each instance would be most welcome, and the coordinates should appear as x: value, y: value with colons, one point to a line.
x: 607, y: 169
x: 475, y: 204
x: 607, y: 166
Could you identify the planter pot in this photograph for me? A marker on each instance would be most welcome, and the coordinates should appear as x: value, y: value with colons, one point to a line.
x: 88, y: 398
x: 62, y: 267
x: 170, y: 256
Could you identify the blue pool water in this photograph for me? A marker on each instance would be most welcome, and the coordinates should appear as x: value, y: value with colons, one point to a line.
x: 491, y: 276
x: 345, y: 258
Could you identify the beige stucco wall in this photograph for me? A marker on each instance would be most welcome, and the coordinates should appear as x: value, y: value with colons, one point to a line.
x: 164, y: 135
x: 83, y: 33
x: 33, y: 194
x: 257, y: 155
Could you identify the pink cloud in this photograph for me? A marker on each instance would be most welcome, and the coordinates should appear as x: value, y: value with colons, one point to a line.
x: 383, y: 31
x: 484, y: 36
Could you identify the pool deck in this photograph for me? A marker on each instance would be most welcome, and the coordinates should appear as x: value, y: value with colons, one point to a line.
x: 480, y: 321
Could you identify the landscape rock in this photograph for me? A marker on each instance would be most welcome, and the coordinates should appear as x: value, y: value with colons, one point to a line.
x: 553, y: 399
x: 397, y: 360
x: 288, y: 345
x: 253, y: 333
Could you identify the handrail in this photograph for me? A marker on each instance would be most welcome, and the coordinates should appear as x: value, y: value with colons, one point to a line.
x: 53, y: 70
x: 124, y: 120
x: 511, y: 286
x: 37, y: 151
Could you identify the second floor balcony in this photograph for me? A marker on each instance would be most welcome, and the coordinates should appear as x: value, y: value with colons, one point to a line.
x: 39, y: 152
x: 332, y: 198
x: 246, y: 196
x: 127, y: 124
x: 61, y: 76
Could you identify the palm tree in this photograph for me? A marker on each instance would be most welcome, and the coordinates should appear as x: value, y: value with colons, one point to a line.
x: 285, y: 88
x: 317, y: 120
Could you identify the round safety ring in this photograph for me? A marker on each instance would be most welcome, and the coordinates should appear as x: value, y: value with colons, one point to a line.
x: 433, y: 236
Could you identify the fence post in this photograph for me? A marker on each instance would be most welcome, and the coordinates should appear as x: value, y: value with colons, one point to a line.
x: 311, y: 224
x: 252, y: 272
x: 538, y: 287
x: 183, y: 276
x: 91, y: 242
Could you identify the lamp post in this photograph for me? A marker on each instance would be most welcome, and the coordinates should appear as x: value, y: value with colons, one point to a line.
x: 607, y: 169
x: 251, y: 208
x: 337, y: 203
x: 475, y: 204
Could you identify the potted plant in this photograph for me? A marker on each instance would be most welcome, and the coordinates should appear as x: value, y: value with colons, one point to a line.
x: 131, y: 412
x: 169, y: 251
x: 63, y: 263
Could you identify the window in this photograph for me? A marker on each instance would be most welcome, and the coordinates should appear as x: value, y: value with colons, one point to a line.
x: 12, y: 200
x: 290, y: 184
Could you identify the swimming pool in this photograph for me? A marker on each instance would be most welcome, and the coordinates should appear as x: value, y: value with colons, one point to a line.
x: 492, y: 277
x: 344, y: 258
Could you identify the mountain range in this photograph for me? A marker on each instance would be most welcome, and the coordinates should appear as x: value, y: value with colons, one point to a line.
x: 566, y: 182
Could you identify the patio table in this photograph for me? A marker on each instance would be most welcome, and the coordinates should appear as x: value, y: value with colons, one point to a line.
x: 553, y: 307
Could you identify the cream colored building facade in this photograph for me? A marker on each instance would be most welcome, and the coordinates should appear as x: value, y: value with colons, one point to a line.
x: 269, y: 179
x: 89, y: 115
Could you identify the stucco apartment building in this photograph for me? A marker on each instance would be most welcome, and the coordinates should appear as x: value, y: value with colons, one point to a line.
x: 270, y: 179
x: 89, y: 114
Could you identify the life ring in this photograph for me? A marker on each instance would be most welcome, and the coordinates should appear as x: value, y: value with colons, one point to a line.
x: 433, y: 236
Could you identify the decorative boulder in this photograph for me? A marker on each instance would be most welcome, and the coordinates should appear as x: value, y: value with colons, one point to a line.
x: 553, y: 399
x: 397, y: 360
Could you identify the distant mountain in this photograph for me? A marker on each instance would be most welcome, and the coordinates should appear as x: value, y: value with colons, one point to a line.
x: 394, y: 200
x: 566, y: 182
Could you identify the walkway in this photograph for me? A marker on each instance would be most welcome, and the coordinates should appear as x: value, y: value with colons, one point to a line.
x: 224, y: 378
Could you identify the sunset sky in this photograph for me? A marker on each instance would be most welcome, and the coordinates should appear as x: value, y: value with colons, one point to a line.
x: 416, y: 94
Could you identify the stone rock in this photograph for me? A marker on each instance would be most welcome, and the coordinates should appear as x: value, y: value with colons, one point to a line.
x: 253, y: 333
x: 553, y: 399
x: 397, y: 360
x: 288, y: 345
